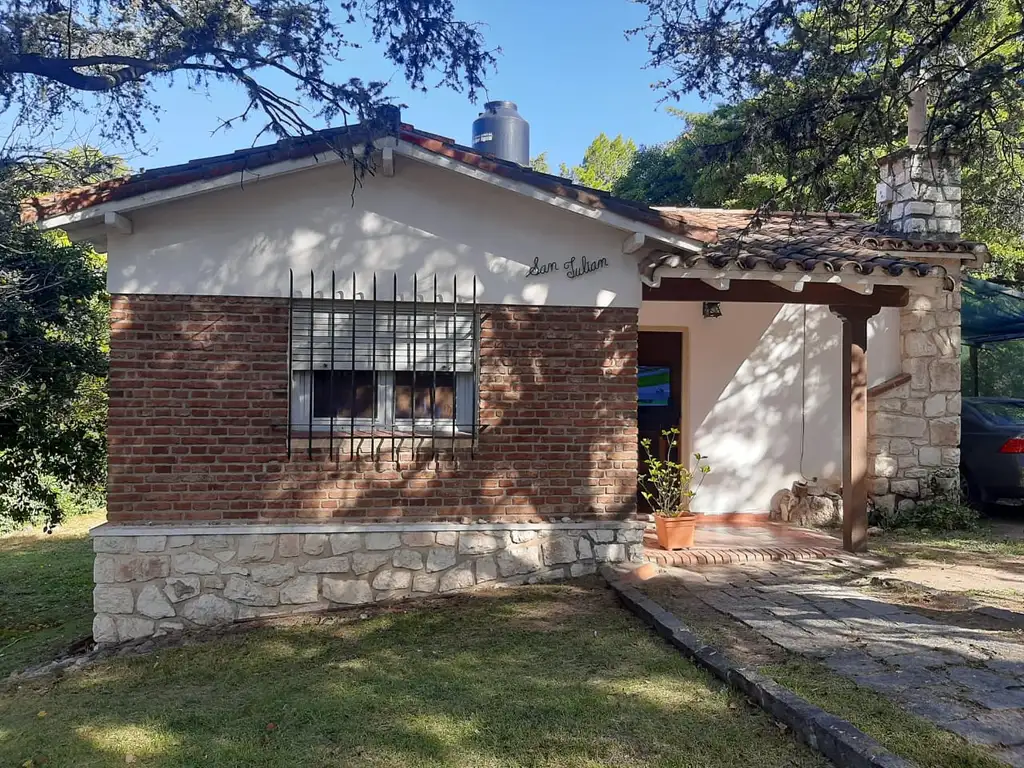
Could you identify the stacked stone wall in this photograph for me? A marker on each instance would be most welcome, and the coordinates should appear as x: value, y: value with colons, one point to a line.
x: 914, y: 429
x: 151, y: 582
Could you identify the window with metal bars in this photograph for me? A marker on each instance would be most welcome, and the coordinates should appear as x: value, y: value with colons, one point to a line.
x: 383, y: 368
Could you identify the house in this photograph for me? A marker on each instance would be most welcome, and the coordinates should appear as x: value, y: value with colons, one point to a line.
x: 377, y: 363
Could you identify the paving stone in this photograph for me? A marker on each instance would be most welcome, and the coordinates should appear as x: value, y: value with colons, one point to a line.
x: 1006, y: 698
x: 850, y: 663
x: 924, y: 659
x: 1011, y: 668
x: 924, y: 702
x: 900, y: 680
x: 1014, y: 756
x: 980, y: 679
x: 1006, y: 728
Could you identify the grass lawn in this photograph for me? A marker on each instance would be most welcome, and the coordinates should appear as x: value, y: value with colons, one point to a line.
x: 555, y: 675
x: 986, y: 543
x: 45, y: 592
x: 903, y: 733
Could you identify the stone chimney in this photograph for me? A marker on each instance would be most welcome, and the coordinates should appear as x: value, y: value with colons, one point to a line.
x: 918, y: 194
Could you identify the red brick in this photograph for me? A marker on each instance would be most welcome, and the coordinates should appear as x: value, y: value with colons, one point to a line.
x: 199, y: 400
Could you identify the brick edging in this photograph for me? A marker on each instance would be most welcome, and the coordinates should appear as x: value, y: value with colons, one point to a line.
x: 837, y: 739
x: 729, y: 556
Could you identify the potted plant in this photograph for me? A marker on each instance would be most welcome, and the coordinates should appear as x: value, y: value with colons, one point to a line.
x: 669, y: 487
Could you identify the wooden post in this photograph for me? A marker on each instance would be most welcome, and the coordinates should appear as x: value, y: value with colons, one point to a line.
x: 855, y: 425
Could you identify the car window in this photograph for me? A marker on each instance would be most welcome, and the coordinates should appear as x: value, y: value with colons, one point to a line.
x: 1002, y: 413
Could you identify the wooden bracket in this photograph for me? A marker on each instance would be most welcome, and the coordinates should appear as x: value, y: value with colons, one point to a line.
x: 633, y: 243
x: 116, y: 221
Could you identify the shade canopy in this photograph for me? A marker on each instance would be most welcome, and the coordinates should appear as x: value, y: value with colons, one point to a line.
x: 990, y: 313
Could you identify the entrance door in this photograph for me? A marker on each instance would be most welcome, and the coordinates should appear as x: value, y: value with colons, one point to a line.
x: 660, y: 393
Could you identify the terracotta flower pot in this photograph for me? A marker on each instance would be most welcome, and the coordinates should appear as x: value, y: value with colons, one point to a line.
x: 675, y: 532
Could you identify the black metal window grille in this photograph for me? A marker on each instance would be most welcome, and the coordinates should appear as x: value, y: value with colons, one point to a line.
x: 395, y: 374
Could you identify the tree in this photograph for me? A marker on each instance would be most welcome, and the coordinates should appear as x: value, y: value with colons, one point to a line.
x: 696, y: 169
x: 603, y: 163
x: 540, y: 163
x: 56, y: 54
x: 53, y: 347
x: 824, y: 83
x: 53, y: 332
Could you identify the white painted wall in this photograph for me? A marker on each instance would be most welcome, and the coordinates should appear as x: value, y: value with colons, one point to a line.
x: 750, y: 372
x: 241, y: 241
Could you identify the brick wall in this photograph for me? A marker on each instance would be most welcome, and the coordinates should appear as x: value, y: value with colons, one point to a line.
x: 199, y: 404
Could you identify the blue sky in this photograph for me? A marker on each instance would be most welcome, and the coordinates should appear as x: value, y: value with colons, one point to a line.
x: 566, y: 63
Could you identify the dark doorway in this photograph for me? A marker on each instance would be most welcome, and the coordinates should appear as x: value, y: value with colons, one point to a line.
x: 660, y: 392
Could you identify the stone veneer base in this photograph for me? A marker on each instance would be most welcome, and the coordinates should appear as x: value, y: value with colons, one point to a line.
x: 151, y: 580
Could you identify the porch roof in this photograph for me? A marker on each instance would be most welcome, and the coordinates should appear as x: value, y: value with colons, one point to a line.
x: 806, y: 243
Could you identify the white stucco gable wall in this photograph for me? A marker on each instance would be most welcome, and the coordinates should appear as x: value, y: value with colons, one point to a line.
x: 242, y: 241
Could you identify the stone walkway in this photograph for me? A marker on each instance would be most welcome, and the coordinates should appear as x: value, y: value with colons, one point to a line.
x: 967, y: 680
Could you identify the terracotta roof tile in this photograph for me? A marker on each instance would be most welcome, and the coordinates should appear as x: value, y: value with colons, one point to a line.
x: 731, y: 238
x: 832, y: 242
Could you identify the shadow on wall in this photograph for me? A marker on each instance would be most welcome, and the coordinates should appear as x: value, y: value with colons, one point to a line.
x: 557, y: 410
x: 765, y: 407
x: 557, y: 430
x: 243, y: 241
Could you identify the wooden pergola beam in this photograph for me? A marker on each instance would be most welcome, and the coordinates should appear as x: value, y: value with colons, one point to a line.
x: 687, y: 289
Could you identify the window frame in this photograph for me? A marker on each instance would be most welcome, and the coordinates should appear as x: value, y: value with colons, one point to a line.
x: 465, y: 423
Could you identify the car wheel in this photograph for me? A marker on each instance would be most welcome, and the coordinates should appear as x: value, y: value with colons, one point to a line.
x: 969, y: 491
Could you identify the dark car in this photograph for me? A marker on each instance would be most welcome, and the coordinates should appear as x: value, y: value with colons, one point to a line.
x: 992, y: 449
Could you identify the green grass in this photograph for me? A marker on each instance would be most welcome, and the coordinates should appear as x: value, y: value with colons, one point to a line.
x: 898, y: 730
x: 906, y: 734
x: 45, y: 592
x: 554, y: 675
x: 984, y: 543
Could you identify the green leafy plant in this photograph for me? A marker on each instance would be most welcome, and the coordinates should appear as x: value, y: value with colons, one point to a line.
x: 943, y: 511
x: 668, y: 486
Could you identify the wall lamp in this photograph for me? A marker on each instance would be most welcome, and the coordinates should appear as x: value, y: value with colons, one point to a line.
x: 712, y: 309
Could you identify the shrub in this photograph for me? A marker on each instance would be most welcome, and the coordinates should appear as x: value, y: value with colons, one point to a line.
x: 943, y: 510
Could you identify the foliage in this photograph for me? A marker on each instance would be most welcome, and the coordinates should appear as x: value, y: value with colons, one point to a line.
x: 821, y: 80
x: 1000, y: 370
x: 666, y: 484
x: 107, y: 57
x: 702, y: 168
x: 53, y: 345
x: 817, y: 90
x: 943, y: 510
x: 604, y: 162
x: 540, y: 164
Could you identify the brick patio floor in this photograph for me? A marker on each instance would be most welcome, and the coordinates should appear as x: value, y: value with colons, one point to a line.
x: 717, y: 544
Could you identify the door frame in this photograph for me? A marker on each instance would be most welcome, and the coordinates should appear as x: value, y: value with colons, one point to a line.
x: 685, y: 438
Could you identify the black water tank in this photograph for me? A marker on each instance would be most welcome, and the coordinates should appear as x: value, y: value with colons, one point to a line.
x: 501, y: 131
